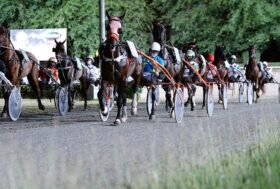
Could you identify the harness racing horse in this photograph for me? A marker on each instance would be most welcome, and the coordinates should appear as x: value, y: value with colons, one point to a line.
x: 171, y: 64
x: 68, y: 71
x: 17, y: 66
x: 117, y: 64
x: 190, y: 82
x: 253, y: 72
x: 222, y: 65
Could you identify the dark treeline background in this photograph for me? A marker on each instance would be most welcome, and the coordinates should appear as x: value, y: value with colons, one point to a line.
x: 234, y: 23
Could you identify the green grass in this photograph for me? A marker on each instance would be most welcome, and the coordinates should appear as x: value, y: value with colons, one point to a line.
x: 256, y: 168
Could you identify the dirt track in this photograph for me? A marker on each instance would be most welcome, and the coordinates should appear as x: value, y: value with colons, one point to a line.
x: 40, y: 141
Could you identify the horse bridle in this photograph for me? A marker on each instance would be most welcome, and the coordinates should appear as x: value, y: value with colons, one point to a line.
x: 6, y: 36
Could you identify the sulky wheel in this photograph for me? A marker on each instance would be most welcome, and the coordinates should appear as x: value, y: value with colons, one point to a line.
x: 210, y: 101
x: 250, y: 93
x: 14, y: 104
x: 225, y: 99
x: 179, y: 105
x: 149, y: 101
x: 62, y: 100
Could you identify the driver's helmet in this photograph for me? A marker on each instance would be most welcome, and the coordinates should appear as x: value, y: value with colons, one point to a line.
x: 89, y: 59
x: 190, y: 55
x: 155, y: 46
x: 265, y: 64
x: 232, y: 59
x: 52, y: 62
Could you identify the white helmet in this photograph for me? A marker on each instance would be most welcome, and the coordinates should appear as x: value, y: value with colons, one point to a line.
x: 53, y: 59
x: 190, y: 53
x: 233, y: 57
x: 155, y: 46
x: 89, y: 57
x: 265, y: 63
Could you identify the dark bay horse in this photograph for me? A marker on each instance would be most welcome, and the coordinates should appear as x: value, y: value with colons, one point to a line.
x: 222, y: 65
x: 171, y: 64
x: 18, y: 67
x: 68, y: 71
x: 117, y: 65
x: 253, y: 72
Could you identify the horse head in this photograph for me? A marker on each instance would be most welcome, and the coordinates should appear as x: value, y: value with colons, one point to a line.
x: 220, y: 53
x: 4, y: 34
x: 252, y: 51
x: 159, y: 33
x: 59, y: 48
x: 114, y: 30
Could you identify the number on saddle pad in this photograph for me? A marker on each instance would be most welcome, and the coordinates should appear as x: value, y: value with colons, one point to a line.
x: 177, y: 55
x: 25, y: 56
x: 132, y: 49
x: 79, y: 64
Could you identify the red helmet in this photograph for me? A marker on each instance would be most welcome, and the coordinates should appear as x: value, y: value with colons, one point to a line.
x: 210, y: 58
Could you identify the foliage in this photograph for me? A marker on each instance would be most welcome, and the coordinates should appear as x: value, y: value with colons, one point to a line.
x: 235, y: 23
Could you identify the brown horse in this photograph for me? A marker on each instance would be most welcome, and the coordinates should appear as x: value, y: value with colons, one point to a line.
x: 17, y: 66
x: 221, y: 63
x: 68, y: 71
x: 171, y: 64
x: 253, y: 72
x: 116, y: 66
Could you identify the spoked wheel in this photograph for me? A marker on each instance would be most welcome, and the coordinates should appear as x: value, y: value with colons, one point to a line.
x: 62, y: 100
x: 210, y: 101
x: 157, y: 93
x: 241, y: 92
x: 14, y: 104
x: 179, y: 105
x: 149, y: 101
x: 250, y: 93
x: 225, y: 99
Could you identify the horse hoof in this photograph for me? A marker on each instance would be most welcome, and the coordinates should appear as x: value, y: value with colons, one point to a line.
x: 4, y: 115
x: 172, y: 114
x: 192, y: 109
x: 41, y: 107
x: 134, y: 111
x: 117, y: 122
x: 123, y: 119
x: 152, y: 117
x: 105, y: 111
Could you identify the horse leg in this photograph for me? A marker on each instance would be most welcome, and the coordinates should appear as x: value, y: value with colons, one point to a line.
x: 84, y: 88
x: 33, y: 81
x: 119, y: 104
x: 204, y: 96
x: 168, y: 105
x: 102, y: 100
x: 6, y: 96
x: 124, y: 108
x: 193, y: 95
x: 152, y: 115
x: 220, y: 93
x: 189, y: 96
x: 134, y: 100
